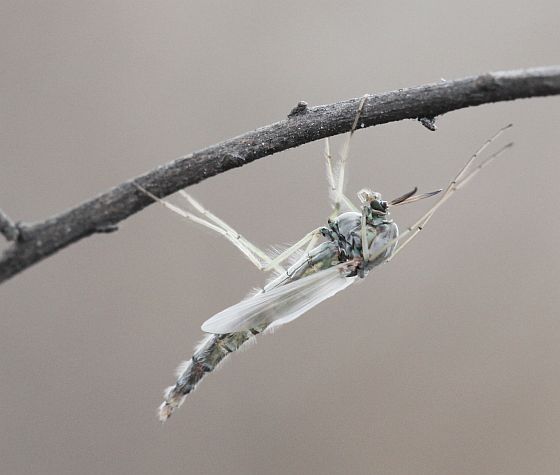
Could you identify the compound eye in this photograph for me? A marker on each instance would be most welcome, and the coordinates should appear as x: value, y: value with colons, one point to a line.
x: 379, y: 205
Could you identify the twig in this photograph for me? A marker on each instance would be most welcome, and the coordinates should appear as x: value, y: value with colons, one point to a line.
x: 305, y: 124
x: 7, y: 227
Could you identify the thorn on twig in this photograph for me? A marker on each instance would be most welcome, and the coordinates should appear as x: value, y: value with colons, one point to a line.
x: 300, y: 109
x: 428, y: 122
x: 106, y: 228
x: 235, y: 159
x: 8, y: 228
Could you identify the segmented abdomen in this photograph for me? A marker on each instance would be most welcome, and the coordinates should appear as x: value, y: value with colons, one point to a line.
x: 214, y: 348
x: 207, y: 356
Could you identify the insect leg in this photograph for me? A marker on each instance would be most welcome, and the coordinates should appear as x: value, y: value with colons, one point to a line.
x: 413, y: 230
x: 294, y: 248
x: 363, y: 234
x: 461, y: 179
x: 230, y: 234
x: 330, y: 169
x: 481, y: 165
x: 336, y: 175
x: 337, y: 198
x: 312, y: 243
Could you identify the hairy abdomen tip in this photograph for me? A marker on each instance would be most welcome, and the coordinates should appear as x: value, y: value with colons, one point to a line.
x: 165, y: 411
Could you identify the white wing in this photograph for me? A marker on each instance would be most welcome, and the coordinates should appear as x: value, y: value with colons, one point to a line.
x: 281, y: 304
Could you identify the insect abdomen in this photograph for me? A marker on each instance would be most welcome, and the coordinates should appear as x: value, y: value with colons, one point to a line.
x: 207, y: 356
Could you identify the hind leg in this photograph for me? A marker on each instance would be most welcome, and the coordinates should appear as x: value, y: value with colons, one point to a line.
x: 258, y: 257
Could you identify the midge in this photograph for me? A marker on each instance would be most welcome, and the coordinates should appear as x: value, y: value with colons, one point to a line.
x: 328, y: 259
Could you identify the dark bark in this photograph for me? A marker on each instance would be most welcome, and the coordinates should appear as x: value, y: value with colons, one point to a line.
x: 33, y: 242
x: 7, y: 227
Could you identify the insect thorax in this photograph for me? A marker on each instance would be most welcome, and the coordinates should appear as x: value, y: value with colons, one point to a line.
x: 345, y: 230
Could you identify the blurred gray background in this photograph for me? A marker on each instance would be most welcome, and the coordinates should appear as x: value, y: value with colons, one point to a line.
x: 445, y: 361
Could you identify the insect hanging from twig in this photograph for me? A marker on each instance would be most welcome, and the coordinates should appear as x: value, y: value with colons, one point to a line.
x: 325, y: 261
